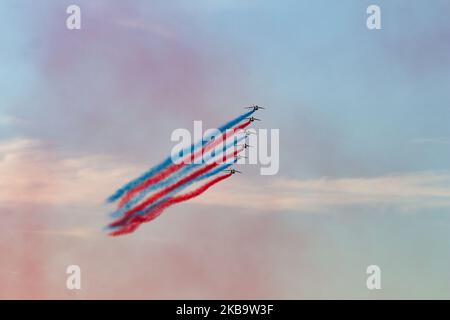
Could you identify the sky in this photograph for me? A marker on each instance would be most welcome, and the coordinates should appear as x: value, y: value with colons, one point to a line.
x: 364, y: 173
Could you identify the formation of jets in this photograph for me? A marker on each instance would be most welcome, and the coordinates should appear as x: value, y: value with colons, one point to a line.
x: 254, y: 107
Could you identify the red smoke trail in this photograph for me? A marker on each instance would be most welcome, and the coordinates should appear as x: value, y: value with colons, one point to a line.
x: 165, y: 191
x: 161, y: 176
x: 134, y: 223
x: 175, y: 167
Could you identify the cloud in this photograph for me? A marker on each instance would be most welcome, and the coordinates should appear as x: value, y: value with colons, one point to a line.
x: 431, y: 141
x: 10, y: 272
x: 8, y: 120
x: 35, y: 242
x: 11, y: 147
x: 407, y: 192
x: 32, y: 174
x: 82, y: 232
x: 156, y: 29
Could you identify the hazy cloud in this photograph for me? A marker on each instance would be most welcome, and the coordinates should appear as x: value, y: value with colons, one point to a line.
x: 32, y: 174
x: 431, y: 141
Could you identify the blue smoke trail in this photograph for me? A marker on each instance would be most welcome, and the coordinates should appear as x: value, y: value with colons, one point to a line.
x: 180, y: 188
x: 171, y: 179
x: 167, y: 162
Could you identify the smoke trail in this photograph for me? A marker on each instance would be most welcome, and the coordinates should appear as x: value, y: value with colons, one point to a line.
x: 165, y: 191
x: 125, y: 200
x: 175, y: 167
x: 177, y: 190
x: 153, y: 213
x: 125, y: 206
x: 167, y: 162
